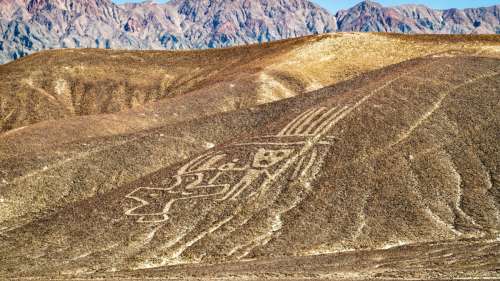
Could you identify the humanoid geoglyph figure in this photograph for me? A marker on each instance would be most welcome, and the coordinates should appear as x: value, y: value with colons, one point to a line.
x: 242, y: 170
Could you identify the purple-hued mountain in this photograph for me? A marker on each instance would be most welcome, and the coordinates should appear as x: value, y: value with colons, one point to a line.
x: 371, y: 16
x: 31, y: 25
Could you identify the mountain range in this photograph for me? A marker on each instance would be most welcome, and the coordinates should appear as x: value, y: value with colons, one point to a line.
x: 27, y: 26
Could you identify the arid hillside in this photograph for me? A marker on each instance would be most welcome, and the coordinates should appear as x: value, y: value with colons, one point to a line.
x: 385, y: 166
x: 58, y: 84
x: 69, y: 157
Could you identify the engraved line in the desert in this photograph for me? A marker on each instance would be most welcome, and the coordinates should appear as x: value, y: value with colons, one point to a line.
x: 296, y: 121
x: 300, y: 128
x: 318, y: 122
x: 143, y: 202
x: 305, y: 149
x: 297, y: 168
x: 202, y: 162
x: 321, y: 126
x: 330, y: 119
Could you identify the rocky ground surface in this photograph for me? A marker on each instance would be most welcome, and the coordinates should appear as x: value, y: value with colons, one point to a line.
x: 154, y: 86
x: 389, y: 173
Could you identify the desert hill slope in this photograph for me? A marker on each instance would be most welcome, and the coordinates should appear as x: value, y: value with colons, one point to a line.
x: 59, y: 84
x: 50, y: 164
x: 404, y: 155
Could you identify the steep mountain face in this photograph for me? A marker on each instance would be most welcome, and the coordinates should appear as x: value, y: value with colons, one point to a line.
x: 32, y: 25
x: 208, y: 23
x: 371, y: 16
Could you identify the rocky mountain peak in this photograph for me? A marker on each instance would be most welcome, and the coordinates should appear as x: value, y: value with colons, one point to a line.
x: 371, y: 16
x: 30, y: 25
x: 367, y: 5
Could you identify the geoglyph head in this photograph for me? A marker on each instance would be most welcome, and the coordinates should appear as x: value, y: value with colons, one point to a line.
x: 265, y: 158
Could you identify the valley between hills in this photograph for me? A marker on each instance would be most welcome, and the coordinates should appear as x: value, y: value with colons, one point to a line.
x: 343, y: 156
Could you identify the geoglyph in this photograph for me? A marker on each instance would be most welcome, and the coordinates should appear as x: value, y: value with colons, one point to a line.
x: 225, y: 175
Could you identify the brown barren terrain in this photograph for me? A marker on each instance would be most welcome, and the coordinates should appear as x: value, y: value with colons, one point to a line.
x: 346, y: 156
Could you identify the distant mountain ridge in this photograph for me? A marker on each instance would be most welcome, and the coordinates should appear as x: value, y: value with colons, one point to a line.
x: 27, y: 26
x: 371, y: 16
